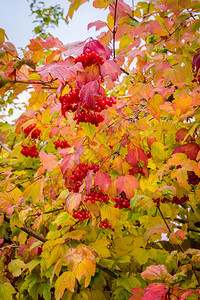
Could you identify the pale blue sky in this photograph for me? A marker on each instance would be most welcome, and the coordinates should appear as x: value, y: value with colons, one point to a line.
x: 16, y: 19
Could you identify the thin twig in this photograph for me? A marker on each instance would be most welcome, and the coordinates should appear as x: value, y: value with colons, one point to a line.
x: 5, y: 147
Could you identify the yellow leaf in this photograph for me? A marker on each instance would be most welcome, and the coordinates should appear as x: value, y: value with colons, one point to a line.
x: 65, y: 281
x: 87, y: 268
x: 34, y: 76
x: 158, y: 150
x: 174, y: 75
x: 110, y: 213
x: 101, y: 247
x: 110, y: 21
x: 101, y: 3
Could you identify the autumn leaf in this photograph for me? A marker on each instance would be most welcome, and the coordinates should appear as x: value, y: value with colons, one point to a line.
x: 74, y: 48
x: 126, y: 184
x: 156, y: 272
x: 88, y: 93
x: 155, y: 291
x: 87, y: 268
x: 190, y: 149
x: 110, y: 69
x: 49, y: 160
x: 61, y: 70
x: 65, y: 281
x: 98, y: 24
x: 103, y: 180
x: 110, y: 213
x: 73, y: 202
x: 137, y: 293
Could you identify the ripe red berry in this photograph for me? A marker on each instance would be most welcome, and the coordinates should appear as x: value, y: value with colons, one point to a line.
x: 32, y: 151
x: 89, y: 58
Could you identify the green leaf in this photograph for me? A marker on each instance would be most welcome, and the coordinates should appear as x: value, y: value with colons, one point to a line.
x: 16, y: 266
x: 46, y: 290
x: 6, y: 291
x: 89, y: 129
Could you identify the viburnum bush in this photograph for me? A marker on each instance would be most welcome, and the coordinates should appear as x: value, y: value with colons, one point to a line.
x: 100, y: 175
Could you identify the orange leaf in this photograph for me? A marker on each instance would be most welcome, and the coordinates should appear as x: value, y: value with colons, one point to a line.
x: 126, y: 184
x: 49, y: 160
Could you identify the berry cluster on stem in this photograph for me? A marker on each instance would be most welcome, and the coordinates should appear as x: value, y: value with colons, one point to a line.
x: 121, y: 202
x: 193, y: 179
x: 97, y: 196
x: 34, y: 133
x: 175, y: 200
x: 105, y: 223
x: 89, y: 58
x: 69, y: 102
x: 79, y: 175
x: 81, y: 215
x: 29, y: 151
x: 61, y: 144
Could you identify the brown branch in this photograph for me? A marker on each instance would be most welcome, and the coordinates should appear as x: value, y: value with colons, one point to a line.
x: 41, y: 238
x: 28, y: 230
x: 5, y: 147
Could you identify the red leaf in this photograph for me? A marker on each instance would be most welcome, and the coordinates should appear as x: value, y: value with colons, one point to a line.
x: 98, y: 24
x: 180, y: 135
x: 132, y: 157
x: 111, y: 69
x: 137, y: 294
x: 74, y: 48
x: 190, y: 149
x: 126, y: 184
x: 103, y: 180
x: 61, y: 70
x: 73, y: 202
x: 96, y: 46
x: 155, y: 291
x: 142, y: 156
x: 88, y: 93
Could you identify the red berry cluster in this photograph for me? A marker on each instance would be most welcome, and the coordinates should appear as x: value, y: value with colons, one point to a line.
x: 121, y: 202
x: 104, y: 103
x: 79, y: 175
x: 32, y: 151
x: 193, y: 179
x: 175, y: 200
x: 140, y: 171
x: 105, y: 223
x: 69, y: 102
x: 35, y: 133
x: 97, y: 196
x: 89, y: 58
x: 81, y: 215
x: 62, y: 144
x: 86, y: 116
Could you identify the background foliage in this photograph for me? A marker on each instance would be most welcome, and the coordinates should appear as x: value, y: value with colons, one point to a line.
x: 100, y: 175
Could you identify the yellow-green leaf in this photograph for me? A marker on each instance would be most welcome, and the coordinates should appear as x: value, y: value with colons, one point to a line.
x: 65, y: 281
